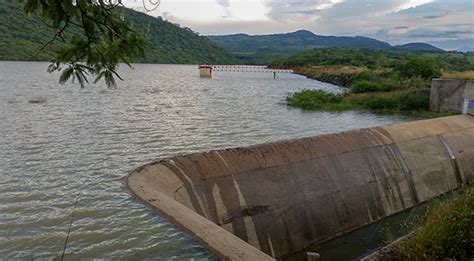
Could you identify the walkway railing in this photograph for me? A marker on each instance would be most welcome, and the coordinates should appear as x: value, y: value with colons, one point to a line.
x: 246, y: 68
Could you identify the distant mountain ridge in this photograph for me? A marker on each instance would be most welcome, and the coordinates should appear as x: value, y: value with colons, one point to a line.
x: 303, y: 40
x: 418, y: 47
x: 23, y: 36
x: 466, y: 49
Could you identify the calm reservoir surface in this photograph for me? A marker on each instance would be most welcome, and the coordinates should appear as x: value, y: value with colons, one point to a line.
x: 80, y: 143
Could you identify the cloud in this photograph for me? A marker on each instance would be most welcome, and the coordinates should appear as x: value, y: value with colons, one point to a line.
x: 401, y: 27
x: 297, y: 10
x: 436, y: 34
x: 433, y: 16
x: 412, y: 4
x: 223, y: 3
x: 226, y: 5
x: 396, y: 21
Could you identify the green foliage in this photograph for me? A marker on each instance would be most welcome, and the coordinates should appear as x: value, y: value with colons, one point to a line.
x: 366, y: 80
x: 101, y: 38
x: 378, y: 81
x: 389, y: 102
x: 369, y: 71
x: 342, y: 56
x: 373, y: 59
x: 260, y: 47
x: 373, y: 82
x: 170, y: 43
x: 380, y: 103
x: 366, y: 86
x: 159, y: 41
x: 415, y: 100
x: 423, y: 67
x: 447, y: 233
x: 314, y: 99
x: 398, y: 101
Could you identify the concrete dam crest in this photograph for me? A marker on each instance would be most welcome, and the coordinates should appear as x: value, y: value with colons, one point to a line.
x: 265, y: 201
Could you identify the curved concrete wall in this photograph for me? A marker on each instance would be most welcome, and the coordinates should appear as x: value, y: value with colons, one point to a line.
x: 281, y: 197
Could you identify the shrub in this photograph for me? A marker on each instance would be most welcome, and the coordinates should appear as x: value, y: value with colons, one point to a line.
x: 382, y: 103
x: 415, y: 100
x: 423, y: 67
x: 381, y: 86
x: 447, y: 234
x: 415, y: 83
x: 383, y: 82
x: 365, y: 86
x: 313, y: 99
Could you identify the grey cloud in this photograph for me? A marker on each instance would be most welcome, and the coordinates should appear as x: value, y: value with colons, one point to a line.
x: 438, y: 34
x: 304, y: 12
x: 168, y: 16
x: 433, y: 16
x: 295, y: 10
x: 223, y: 3
x: 439, y: 21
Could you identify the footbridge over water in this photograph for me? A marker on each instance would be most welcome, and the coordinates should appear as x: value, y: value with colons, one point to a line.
x: 206, y: 70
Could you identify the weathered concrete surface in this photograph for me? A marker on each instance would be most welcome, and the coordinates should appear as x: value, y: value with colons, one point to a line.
x: 280, y: 197
x: 449, y: 95
x: 224, y: 244
x: 205, y: 71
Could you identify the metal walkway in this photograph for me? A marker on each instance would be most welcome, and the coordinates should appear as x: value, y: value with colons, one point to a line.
x: 246, y: 68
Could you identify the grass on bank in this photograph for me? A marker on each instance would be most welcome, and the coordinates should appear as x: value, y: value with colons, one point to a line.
x: 362, y: 79
x: 382, y: 90
x: 447, y: 232
x: 465, y: 75
x: 386, y: 102
x: 376, y: 81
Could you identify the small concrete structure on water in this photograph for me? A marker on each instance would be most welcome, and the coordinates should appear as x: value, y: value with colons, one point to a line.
x: 205, y: 71
x: 265, y: 201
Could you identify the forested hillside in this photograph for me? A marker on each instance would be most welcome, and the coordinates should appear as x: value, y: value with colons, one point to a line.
x: 22, y: 37
x: 373, y: 59
x: 262, y: 48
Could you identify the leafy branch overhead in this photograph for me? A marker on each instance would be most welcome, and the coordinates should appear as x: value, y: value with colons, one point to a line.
x: 97, y: 38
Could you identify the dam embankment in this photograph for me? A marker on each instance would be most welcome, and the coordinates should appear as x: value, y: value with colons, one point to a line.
x: 281, y: 197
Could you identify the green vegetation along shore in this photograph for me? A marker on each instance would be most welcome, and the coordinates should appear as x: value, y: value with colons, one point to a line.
x: 443, y: 230
x: 446, y: 232
x: 376, y: 80
x: 23, y: 36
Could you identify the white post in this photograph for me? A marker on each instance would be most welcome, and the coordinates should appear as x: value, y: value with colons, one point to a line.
x: 465, y: 106
x: 311, y: 256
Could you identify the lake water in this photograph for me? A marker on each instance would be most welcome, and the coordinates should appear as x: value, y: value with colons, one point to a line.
x: 80, y: 143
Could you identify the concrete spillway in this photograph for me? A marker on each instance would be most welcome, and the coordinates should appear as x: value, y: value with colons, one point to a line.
x: 268, y: 200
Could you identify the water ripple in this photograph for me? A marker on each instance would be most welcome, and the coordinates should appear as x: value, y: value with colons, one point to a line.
x: 80, y: 143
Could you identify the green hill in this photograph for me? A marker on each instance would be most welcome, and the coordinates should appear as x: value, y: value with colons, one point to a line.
x: 263, y: 48
x: 22, y: 36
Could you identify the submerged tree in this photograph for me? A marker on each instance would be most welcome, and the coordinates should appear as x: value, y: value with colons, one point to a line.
x: 96, y: 36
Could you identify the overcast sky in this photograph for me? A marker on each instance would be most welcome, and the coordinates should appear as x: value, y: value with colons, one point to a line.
x: 446, y: 23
